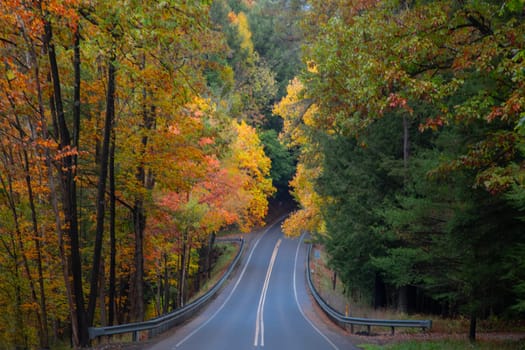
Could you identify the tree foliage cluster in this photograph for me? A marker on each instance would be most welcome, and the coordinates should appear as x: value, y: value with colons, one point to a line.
x: 131, y: 133
x: 262, y: 40
x: 409, y: 117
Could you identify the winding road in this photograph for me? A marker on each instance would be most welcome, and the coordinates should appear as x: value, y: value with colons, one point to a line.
x: 265, y: 305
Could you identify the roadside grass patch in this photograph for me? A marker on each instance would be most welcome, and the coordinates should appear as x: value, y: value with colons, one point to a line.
x: 449, y: 345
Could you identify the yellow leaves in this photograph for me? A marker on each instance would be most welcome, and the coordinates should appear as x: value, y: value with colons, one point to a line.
x: 308, y: 218
x: 244, y: 32
x: 248, y: 152
x: 10, y: 75
x: 311, y: 67
x: 249, y: 157
x: 296, y: 111
x: 243, y: 28
x: 285, y: 108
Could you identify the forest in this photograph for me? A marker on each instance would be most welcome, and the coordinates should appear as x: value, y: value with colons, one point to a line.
x: 133, y: 132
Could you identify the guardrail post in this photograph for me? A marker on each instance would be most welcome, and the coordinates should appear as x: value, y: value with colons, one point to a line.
x: 393, y: 330
x: 368, y: 328
x: 351, y: 328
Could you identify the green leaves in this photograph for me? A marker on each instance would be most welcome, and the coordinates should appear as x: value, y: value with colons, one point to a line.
x: 400, y: 266
x: 414, y: 127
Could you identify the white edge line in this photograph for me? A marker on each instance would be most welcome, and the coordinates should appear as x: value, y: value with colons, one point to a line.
x: 297, y: 299
x: 185, y: 339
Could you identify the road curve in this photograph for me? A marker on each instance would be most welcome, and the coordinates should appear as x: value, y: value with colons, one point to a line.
x: 264, y: 305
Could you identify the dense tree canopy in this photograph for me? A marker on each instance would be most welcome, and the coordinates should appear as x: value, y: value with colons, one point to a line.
x: 119, y: 160
x: 133, y: 132
x: 409, y: 115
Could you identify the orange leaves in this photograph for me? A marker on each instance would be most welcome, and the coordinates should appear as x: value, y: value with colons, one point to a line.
x: 233, y: 189
x: 232, y: 17
x: 497, y: 112
x: 65, y: 10
x: 22, y: 16
x: 65, y: 152
x: 29, y: 17
x: 432, y: 123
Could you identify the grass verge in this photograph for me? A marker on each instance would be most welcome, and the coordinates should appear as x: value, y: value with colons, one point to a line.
x: 449, y: 345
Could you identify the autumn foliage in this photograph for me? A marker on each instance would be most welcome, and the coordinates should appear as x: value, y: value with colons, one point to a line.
x: 116, y: 168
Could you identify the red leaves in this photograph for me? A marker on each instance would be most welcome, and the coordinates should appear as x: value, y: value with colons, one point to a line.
x: 497, y: 112
x: 396, y: 101
x: 204, y: 141
x: 510, y: 110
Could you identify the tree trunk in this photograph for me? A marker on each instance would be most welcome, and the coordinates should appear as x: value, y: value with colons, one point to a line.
x: 20, y: 327
x: 67, y: 170
x: 203, y: 264
x: 112, y: 238
x: 61, y: 249
x: 182, y: 278
x: 102, y: 293
x: 379, y: 292
x: 402, y: 299
x: 187, y: 270
x: 210, y: 251
x: 181, y: 267
x: 165, y: 304
x: 54, y: 197
x: 406, y: 145
x: 42, y: 318
x: 139, y: 216
x: 472, y: 327
x: 101, y: 190
x: 76, y: 91
x: 137, y: 287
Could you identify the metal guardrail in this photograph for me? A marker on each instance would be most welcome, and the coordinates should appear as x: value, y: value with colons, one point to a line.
x: 369, y: 322
x: 161, y: 324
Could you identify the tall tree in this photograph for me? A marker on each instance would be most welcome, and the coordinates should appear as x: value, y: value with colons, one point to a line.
x: 67, y: 171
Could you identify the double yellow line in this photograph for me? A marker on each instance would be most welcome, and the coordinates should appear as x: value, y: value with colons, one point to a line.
x: 259, y: 323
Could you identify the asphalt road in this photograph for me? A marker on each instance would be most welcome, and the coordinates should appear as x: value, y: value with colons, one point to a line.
x: 265, y: 305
